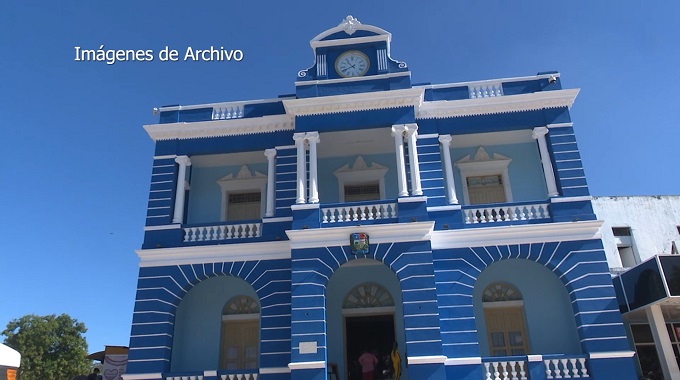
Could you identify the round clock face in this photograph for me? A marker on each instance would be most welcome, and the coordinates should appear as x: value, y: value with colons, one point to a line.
x: 352, y: 64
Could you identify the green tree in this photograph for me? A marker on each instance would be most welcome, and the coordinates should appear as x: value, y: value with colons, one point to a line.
x: 51, y: 347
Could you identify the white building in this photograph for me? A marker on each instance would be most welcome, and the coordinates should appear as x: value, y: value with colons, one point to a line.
x: 641, y: 236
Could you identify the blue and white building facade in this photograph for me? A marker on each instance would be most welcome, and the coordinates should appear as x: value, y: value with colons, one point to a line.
x: 285, y: 236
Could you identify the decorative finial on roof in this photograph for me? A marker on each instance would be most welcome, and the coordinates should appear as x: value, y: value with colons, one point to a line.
x: 350, y: 24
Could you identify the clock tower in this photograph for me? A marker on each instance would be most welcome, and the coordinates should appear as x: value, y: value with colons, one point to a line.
x: 352, y: 58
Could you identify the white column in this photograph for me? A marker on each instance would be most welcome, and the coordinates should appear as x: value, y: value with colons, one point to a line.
x: 412, y: 133
x: 184, y: 162
x: 301, y: 168
x: 313, y: 139
x: 271, y: 176
x: 539, y: 134
x: 662, y: 342
x: 448, y: 169
x: 398, y: 133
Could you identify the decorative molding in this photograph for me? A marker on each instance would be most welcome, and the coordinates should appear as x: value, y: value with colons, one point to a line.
x: 558, y: 125
x: 412, y: 199
x: 463, y: 361
x: 307, y: 365
x: 488, y: 81
x: 348, y: 25
x: 272, y: 370
x: 434, y: 359
x: 612, y: 355
x: 352, y: 79
x: 304, y: 206
x: 483, y: 164
x: 354, y: 102
x: 379, y: 233
x: 278, y: 220
x: 444, y: 208
x: 163, y: 227
x: 220, y: 128
x: 141, y: 376
x: 534, y: 358
x: 214, y: 253
x: 571, y: 199
x: 360, y: 173
x: 493, y: 105
x: 516, y: 234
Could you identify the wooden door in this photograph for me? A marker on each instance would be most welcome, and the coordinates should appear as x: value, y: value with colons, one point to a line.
x: 506, y: 331
x: 239, y: 345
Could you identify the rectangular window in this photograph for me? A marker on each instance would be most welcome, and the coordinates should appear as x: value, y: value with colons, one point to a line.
x: 624, y: 243
x: 486, y: 189
x: 243, y: 206
x: 362, y: 192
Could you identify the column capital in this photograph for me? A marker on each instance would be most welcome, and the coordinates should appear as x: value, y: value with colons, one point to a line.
x: 270, y: 153
x: 312, y: 137
x: 300, y: 136
x: 411, y: 129
x: 398, y: 129
x: 183, y: 160
x: 538, y: 132
x: 445, y: 139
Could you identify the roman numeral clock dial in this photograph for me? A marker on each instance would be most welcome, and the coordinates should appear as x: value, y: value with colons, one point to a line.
x: 352, y: 63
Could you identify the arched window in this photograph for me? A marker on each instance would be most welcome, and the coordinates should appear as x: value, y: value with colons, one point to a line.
x: 505, y: 322
x: 240, y: 333
x: 368, y: 295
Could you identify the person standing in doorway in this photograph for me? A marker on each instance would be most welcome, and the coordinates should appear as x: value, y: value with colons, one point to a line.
x: 367, y: 361
x: 395, y: 358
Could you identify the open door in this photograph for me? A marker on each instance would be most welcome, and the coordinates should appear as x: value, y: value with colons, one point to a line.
x: 375, y: 333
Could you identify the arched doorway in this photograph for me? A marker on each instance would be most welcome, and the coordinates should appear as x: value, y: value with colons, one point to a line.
x: 368, y: 312
x: 360, y: 294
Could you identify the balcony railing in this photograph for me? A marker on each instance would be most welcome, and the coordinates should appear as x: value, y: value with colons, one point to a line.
x: 549, y: 366
x: 203, y: 376
x: 358, y: 212
x: 574, y: 368
x: 222, y: 232
x: 506, y: 370
x: 505, y: 212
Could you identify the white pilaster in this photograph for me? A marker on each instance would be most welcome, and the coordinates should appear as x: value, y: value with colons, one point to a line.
x: 398, y: 133
x: 539, y: 134
x: 664, y: 349
x: 271, y: 174
x: 412, y: 133
x: 313, y: 139
x: 445, y: 140
x: 183, y: 162
x: 301, y: 168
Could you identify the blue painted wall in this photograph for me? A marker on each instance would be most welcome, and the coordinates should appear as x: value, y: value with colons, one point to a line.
x: 196, y: 344
x: 527, y: 181
x: 550, y: 323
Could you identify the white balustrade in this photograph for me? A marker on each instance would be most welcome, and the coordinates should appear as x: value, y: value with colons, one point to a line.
x: 485, y: 90
x: 505, y: 370
x: 226, y: 111
x: 225, y: 232
x: 239, y: 376
x: 506, y: 213
x: 358, y: 213
x: 574, y: 368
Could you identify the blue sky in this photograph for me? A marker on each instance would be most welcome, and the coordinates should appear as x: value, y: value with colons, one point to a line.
x: 76, y: 163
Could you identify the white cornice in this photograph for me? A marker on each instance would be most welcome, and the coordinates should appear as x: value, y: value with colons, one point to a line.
x: 354, y: 102
x: 214, y: 253
x: 352, y: 79
x: 517, y: 234
x: 219, y: 128
x: 500, y: 104
x: 378, y: 233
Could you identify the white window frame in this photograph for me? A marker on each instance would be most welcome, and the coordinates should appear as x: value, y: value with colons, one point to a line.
x: 244, y: 182
x: 360, y: 173
x: 481, y: 164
